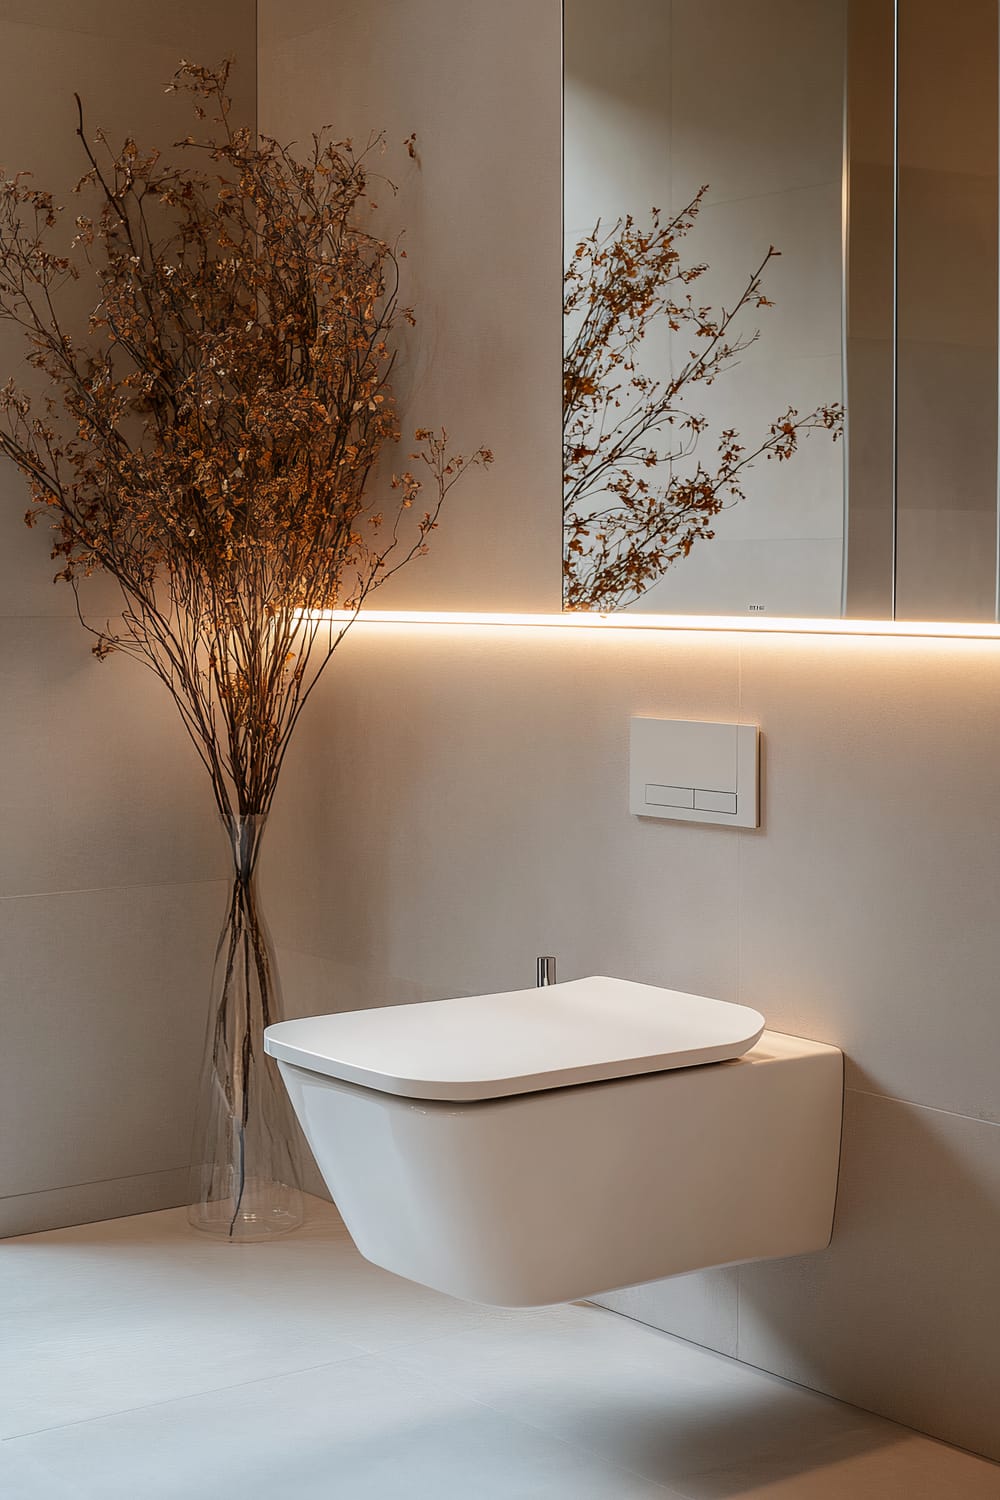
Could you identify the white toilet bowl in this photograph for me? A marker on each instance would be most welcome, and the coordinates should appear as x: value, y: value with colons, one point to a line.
x: 553, y: 1144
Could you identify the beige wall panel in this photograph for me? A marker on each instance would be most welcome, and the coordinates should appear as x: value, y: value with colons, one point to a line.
x: 103, y: 988
x: 482, y: 217
x: 870, y: 899
x: 456, y: 805
x: 900, y: 1314
x: 105, y: 994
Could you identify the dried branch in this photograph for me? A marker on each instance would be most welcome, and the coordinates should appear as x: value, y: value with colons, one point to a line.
x: 635, y: 497
x: 215, y: 427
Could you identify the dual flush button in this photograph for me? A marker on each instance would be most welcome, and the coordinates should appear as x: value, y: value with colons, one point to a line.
x: 692, y: 797
x: 694, y: 772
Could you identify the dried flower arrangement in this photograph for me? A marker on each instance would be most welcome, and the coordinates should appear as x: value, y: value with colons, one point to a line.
x: 632, y: 503
x: 209, y: 439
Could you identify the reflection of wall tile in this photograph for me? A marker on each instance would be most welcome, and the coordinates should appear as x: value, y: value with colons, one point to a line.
x: 804, y: 282
x: 721, y: 577
x: 616, y: 111
x: 795, y: 498
x: 758, y: 95
x: 617, y: 161
x: 868, y: 1319
x: 621, y: 146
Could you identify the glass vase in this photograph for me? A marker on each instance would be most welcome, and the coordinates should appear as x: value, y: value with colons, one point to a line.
x: 244, y: 1174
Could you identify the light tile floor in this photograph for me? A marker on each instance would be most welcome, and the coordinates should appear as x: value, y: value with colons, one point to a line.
x: 141, y: 1361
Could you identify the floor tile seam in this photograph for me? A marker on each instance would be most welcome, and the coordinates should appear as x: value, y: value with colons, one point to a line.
x: 905, y: 1430
x: 796, y: 1385
x: 401, y: 1345
x: 783, y: 1448
x: 474, y: 1328
x: 681, y: 1338
x: 437, y: 1385
x: 934, y: 1109
x: 867, y: 1420
x: 67, y: 1187
x: 573, y: 1444
x: 356, y: 1357
x: 100, y: 890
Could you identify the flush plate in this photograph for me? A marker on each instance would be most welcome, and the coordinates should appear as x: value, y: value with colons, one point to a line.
x: 694, y: 772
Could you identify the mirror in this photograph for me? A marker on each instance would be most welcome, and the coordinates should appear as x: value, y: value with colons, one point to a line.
x: 780, y: 308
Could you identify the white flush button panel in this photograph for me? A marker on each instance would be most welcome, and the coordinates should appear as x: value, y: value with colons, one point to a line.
x: 698, y: 773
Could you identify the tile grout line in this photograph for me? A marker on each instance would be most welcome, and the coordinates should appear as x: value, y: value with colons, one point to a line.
x: 68, y: 1187
x: 813, y: 1390
x: 436, y: 1383
x: 236, y: 1385
x: 138, y: 885
x: 442, y: 1387
x: 934, y: 1109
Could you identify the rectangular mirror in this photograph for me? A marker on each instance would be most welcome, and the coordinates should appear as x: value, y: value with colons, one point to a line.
x: 780, y: 308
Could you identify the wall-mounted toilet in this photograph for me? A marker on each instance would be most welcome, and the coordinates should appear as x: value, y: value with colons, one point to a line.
x: 552, y: 1144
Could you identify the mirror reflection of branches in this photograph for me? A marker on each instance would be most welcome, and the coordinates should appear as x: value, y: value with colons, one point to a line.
x: 644, y: 474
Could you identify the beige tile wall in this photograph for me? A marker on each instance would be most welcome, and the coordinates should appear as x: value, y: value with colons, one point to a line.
x: 486, y: 170
x: 457, y: 801
x: 111, y: 869
x: 457, y: 804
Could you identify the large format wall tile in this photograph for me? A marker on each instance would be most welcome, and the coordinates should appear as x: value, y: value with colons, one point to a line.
x: 702, y: 1307
x: 899, y: 1315
x: 103, y: 990
x: 85, y: 1202
x: 101, y: 786
x: 118, y: 55
x: 458, y: 804
x: 870, y: 899
x: 105, y: 999
x: 215, y: 30
x: 485, y: 358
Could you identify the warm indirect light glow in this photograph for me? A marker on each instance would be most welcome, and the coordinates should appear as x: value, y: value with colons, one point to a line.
x: 579, y: 621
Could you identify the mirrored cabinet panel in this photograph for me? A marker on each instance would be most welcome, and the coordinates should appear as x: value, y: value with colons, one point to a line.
x: 780, y: 308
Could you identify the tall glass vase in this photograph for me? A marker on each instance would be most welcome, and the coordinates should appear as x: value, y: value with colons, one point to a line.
x: 244, y: 1176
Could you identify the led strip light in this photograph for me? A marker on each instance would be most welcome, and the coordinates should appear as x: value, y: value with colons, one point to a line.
x: 571, y: 620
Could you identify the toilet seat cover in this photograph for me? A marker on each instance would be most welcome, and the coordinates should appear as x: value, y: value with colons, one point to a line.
x: 493, y: 1046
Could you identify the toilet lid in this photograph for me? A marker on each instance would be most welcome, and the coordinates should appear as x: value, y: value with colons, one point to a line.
x: 492, y: 1046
